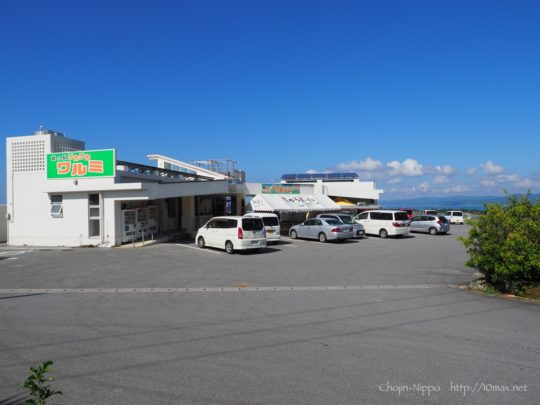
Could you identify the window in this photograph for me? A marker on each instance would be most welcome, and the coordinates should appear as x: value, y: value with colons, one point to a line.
x: 346, y: 219
x: 270, y: 221
x: 252, y: 224
x: 458, y: 214
x: 213, y: 224
x: 57, y: 209
x: 333, y: 222
x: 401, y: 216
x: 93, y: 215
x: 309, y: 222
x: 363, y: 215
x: 231, y: 223
x: 171, y: 207
x: 376, y: 215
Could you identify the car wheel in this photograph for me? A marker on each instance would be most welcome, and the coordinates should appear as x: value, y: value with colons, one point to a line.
x: 383, y: 233
x: 322, y: 237
x: 293, y: 235
x: 432, y: 231
x: 201, y: 243
x: 229, y: 248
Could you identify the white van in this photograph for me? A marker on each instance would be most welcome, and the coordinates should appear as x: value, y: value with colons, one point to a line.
x: 454, y: 217
x: 384, y: 222
x: 271, y: 225
x: 232, y: 233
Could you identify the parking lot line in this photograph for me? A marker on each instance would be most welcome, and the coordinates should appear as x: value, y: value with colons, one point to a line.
x: 224, y: 289
x: 197, y: 249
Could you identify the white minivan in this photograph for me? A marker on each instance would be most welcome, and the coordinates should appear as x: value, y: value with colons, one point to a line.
x: 455, y: 217
x: 271, y: 225
x: 384, y: 222
x: 232, y: 233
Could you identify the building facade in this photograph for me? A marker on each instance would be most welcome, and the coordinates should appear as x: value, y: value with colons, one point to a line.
x: 52, y: 199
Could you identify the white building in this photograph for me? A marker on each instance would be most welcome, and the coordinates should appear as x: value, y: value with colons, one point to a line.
x: 344, y: 189
x: 53, y: 201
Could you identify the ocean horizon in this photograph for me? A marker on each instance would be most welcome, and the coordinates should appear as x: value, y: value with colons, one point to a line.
x: 464, y: 203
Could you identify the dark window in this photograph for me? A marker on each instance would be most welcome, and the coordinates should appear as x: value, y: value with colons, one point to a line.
x: 318, y: 222
x: 387, y: 216
x: 401, y: 216
x: 309, y: 222
x: 270, y: 221
x: 333, y: 222
x: 415, y: 219
x: 93, y: 215
x: 230, y: 223
x: 346, y: 219
x: 57, y: 209
x: 375, y: 215
x: 363, y: 215
x: 423, y: 218
x: 213, y: 224
x: 252, y: 224
x: 171, y: 207
x: 458, y: 214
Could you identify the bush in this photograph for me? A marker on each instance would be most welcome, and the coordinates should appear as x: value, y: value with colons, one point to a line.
x: 504, y: 244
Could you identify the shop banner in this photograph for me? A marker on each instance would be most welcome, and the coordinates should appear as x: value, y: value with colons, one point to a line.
x: 280, y: 189
x: 81, y: 164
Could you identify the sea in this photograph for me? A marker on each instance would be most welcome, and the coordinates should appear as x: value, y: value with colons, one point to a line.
x: 461, y: 203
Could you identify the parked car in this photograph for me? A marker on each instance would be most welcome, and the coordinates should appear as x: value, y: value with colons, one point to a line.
x: 271, y: 225
x: 322, y: 229
x: 455, y: 217
x: 346, y: 219
x: 430, y: 212
x: 431, y: 224
x: 408, y: 211
x: 384, y: 222
x: 232, y: 233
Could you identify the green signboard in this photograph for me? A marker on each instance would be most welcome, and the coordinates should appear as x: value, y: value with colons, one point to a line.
x: 81, y: 164
x: 280, y: 189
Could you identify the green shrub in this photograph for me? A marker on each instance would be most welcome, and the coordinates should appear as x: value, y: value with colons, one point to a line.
x: 39, y: 391
x: 504, y: 244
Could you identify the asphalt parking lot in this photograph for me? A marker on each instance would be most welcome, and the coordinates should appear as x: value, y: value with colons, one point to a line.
x: 301, y: 322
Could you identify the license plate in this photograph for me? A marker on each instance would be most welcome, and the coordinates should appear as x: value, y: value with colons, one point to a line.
x: 360, y: 232
x: 254, y: 243
x: 270, y: 231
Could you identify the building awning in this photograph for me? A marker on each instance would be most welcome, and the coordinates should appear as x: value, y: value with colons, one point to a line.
x: 293, y: 203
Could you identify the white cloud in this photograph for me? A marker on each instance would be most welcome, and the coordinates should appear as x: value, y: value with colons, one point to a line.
x: 367, y: 165
x: 312, y: 171
x: 408, y: 167
x: 440, y: 179
x: 512, y: 178
x: 491, y: 169
x: 459, y: 188
x: 471, y: 171
x: 525, y: 183
x: 488, y: 183
x: 394, y: 180
x: 424, y: 187
x: 446, y: 170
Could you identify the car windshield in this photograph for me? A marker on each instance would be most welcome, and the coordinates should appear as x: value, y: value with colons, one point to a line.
x: 401, y: 216
x: 332, y: 222
x: 346, y: 219
x: 252, y: 224
x: 270, y: 221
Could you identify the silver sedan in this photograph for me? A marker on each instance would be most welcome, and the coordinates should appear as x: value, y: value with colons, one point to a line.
x: 430, y: 223
x: 322, y: 229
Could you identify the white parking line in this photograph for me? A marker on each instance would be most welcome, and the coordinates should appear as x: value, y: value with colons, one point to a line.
x: 224, y: 289
x: 198, y: 249
x: 14, y: 252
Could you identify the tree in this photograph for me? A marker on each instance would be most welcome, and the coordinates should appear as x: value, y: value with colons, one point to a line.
x: 504, y: 244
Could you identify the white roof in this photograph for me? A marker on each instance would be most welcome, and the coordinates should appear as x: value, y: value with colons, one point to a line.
x: 293, y: 203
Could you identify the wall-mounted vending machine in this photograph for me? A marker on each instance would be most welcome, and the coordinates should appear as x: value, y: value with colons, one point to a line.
x: 129, y: 225
x: 142, y: 222
x: 152, y: 220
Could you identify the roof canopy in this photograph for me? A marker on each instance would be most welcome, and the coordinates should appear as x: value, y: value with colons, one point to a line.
x: 293, y: 203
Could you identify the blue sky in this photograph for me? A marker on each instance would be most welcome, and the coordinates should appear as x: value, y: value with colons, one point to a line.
x: 425, y: 97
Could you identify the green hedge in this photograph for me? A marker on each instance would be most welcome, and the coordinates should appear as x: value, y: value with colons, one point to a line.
x: 504, y: 244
